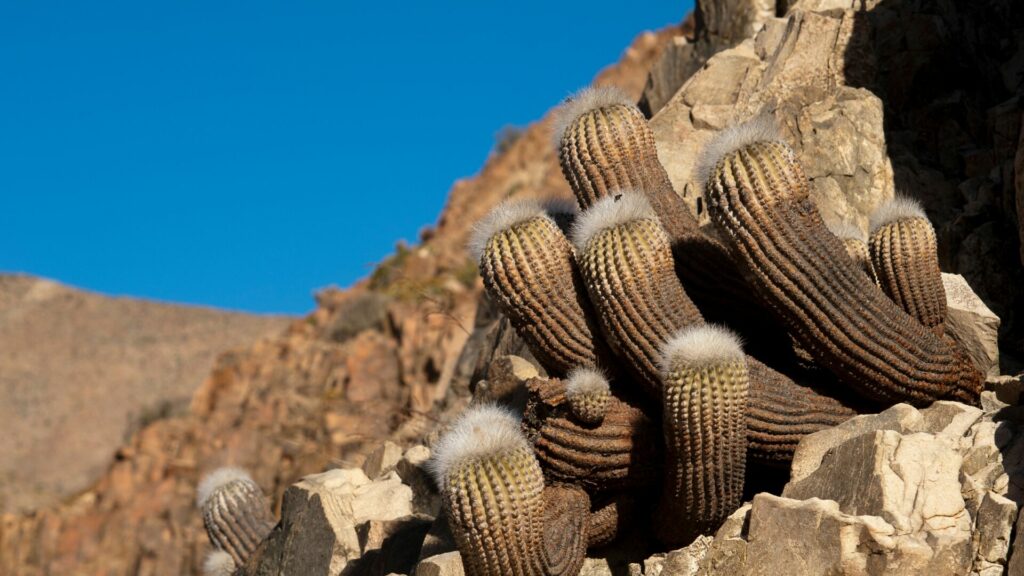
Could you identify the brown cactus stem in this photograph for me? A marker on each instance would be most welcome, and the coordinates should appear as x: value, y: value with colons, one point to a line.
x: 609, y: 518
x: 856, y: 246
x: 758, y: 195
x: 566, y: 514
x: 621, y: 453
x: 626, y: 263
x: 905, y: 255
x: 527, y: 268
x: 705, y: 397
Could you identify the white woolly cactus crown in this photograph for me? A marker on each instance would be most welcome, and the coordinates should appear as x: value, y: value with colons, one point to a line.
x: 899, y: 208
x: 587, y: 99
x: 617, y: 208
x: 586, y: 381
x: 701, y: 346
x: 480, y: 431
x: 216, y: 479
x: 218, y: 563
x: 846, y: 230
x: 501, y: 217
x: 760, y: 128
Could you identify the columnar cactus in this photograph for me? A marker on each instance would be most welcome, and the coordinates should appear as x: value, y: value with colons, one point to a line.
x: 703, y: 418
x: 527, y: 266
x: 493, y: 493
x: 625, y: 259
x: 235, y: 512
x: 905, y: 256
x: 758, y: 195
x: 588, y: 393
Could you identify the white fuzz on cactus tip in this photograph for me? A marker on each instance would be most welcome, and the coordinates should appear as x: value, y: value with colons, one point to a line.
x: 760, y: 128
x: 899, y: 208
x: 214, y: 480
x: 701, y: 346
x: 502, y: 217
x: 587, y: 99
x: 480, y: 431
x: 582, y: 381
x: 612, y: 210
x: 218, y: 563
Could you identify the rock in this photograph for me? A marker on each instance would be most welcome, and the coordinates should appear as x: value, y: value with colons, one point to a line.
x: 425, y: 498
x: 682, y: 562
x: 812, y: 448
x: 330, y: 519
x: 970, y: 322
x: 910, y: 481
x: 506, y: 382
x: 1006, y: 388
x: 382, y: 460
x: 447, y: 564
x: 680, y: 60
x: 734, y: 20
x: 389, y: 545
x: 364, y: 311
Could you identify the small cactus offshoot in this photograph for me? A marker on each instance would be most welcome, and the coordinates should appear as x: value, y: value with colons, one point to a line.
x: 235, y: 512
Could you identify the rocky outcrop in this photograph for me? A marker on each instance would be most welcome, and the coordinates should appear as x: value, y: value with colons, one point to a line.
x: 906, y: 491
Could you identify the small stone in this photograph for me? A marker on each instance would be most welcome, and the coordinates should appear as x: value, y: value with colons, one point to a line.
x: 972, y: 324
x: 447, y: 564
x: 382, y: 460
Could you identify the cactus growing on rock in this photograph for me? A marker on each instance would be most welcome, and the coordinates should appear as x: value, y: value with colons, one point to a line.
x: 905, y: 256
x: 703, y: 418
x: 758, y: 196
x: 493, y: 493
x: 235, y: 512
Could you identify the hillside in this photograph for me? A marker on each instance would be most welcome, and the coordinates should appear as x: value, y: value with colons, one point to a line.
x: 80, y: 372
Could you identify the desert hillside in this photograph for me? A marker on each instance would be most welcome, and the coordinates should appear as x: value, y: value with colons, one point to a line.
x: 81, y: 372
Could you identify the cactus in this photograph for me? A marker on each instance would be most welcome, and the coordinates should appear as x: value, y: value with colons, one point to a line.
x: 588, y: 393
x: 610, y: 519
x: 856, y: 246
x: 235, y: 512
x: 626, y: 262
x: 758, y: 196
x: 605, y: 146
x: 705, y: 397
x: 526, y: 264
x: 218, y: 563
x: 493, y: 494
x: 905, y: 256
x: 619, y: 454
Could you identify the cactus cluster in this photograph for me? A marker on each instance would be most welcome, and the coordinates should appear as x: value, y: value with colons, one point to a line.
x: 652, y: 413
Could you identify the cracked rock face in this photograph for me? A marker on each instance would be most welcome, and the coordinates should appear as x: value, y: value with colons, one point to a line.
x: 905, y: 491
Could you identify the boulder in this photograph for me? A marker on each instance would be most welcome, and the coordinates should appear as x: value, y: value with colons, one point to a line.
x: 970, y: 322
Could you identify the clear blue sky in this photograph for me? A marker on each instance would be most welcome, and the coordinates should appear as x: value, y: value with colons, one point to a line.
x: 244, y: 154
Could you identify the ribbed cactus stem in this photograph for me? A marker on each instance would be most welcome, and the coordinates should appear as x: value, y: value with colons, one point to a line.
x: 605, y: 145
x: 492, y: 491
x: 626, y: 262
x: 527, y: 268
x: 235, y: 512
x: 758, y: 196
x: 588, y: 393
x: 905, y: 256
x: 705, y: 398
x: 608, y: 519
x: 856, y: 246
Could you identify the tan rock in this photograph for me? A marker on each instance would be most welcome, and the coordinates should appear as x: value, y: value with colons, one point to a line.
x: 447, y: 564
x: 382, y: 460
x: 970, y: 322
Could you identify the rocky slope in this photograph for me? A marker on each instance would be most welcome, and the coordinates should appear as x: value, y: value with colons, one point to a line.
x: 79, y: 372
x: 368, y: 363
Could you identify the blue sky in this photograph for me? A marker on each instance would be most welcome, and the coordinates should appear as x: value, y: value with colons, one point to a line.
x: 243, y: 154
